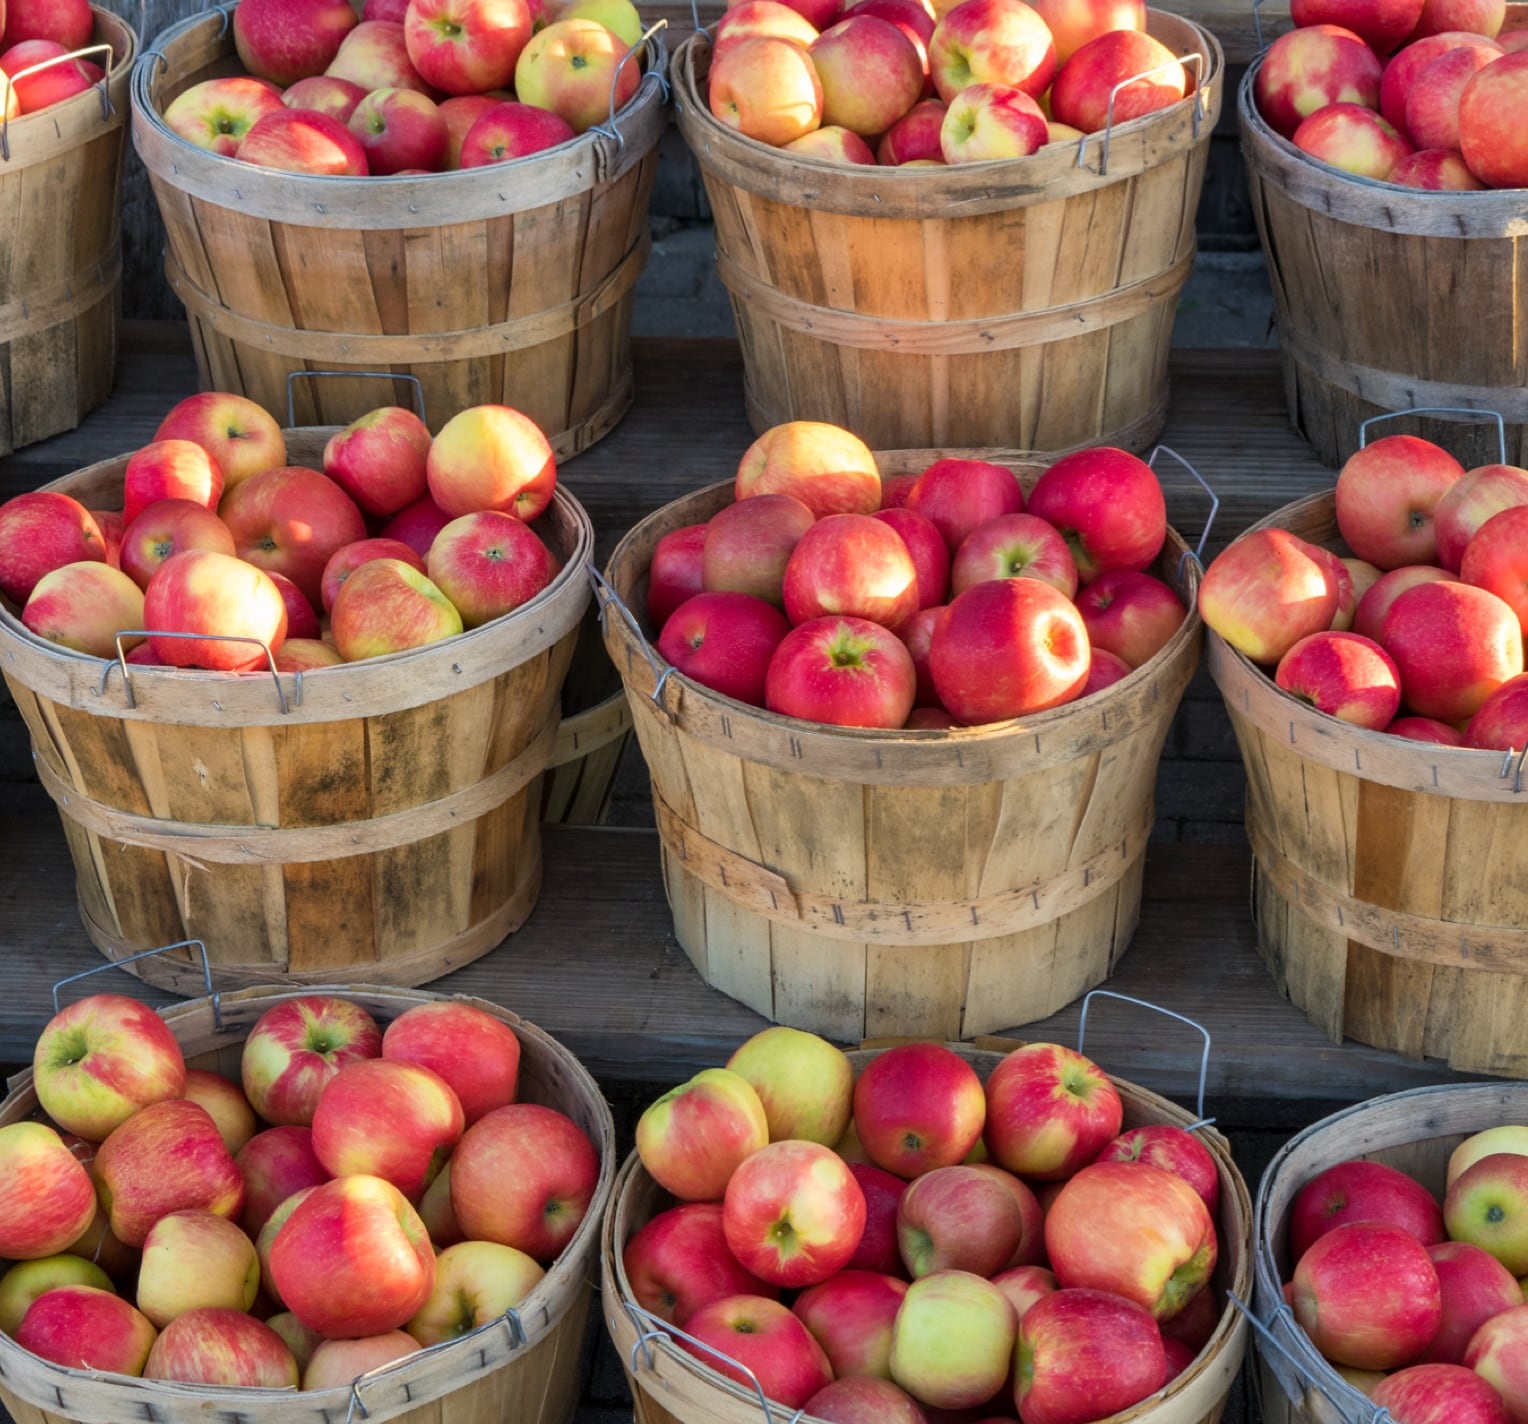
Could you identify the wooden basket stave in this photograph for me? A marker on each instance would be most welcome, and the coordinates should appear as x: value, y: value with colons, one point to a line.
x: 891, y: 301
x: 1413, y: 1131
x: 669, y: 1386
x: 793, y: 855
x: 381, y: 817
x: 482, y: 1378
x: 1390, y: 877
x: 1390, y: 299
x: 61, y: 277
x: 592, y: 737
x: 504, y: 284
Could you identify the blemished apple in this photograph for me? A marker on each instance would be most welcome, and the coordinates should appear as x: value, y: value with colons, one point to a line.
x: 215, y: 114
x: 694, y: 1136
x: 984, y: 122
x: 1387, y: 494
x: 295, y: 1048
x: 1454, y: 644
x: 1495, y: 149
x: 1108, y: 505
x: 510, y: 130
x: 793, y: 1213
x: 466, y: 46
x: 1487, y: 1206
x: 100, y: 1059
x: 375, y: 56
x: 386, y: 606
x: 1007, y: 648
x: 679, y: 1261
x: 804, y: 1082
x: 1308, y: 68
x: 288, y: 40
x: 915, y: 137
x: 1367, y: 1295
x: 1474, y: 1286
x: 959, y: 1218
x: 828, y: 468
x: 674, y: 574
x: 384, y: 1118
x: 475, y: 1052
x: 578, y: 69
x: 491, y: 457
x: 918, y: 1106
x: 274, y: 1164
x: 1002, y: 42
x: 845, y: 671
x: 765, y: 1339
x: 864, y: 1399
x: 168, y: 1156
x: 241, y: 435
x: 852, y: 565
x: 1264, y: 592
x: 1015, y: 546
x: 748, y: 543
x: 524, y: 1175
x: 211, y: 610
x: 1440, y: 1393
x: 1131, y: 614
x: 1361, y: 1190
x: 1085, y: 1354
x: 851, y: 1315
x: 86, y: 606
x: 352, y: 1258
x: 40, y: 531
x: 1174, y: 1149
x: 327, y: 93
x: 878, y: 1249
x: 195, y: 1259
x: 1099, y: 84
x: 24, y: 1281
x: 953, y: 1341
x: 724, y: 641
x: 760, y: 17
x: 336, y: 1364
x: 834, y: 144
x: 304, y: 141
x: 1496, y: 1354
x: 165, y: 527
x: 1134, y: 1229
x: 399, y: 130
x: 47, y: 1199
x: 345, y: 560
x: 1345, y: 675
x: 86, y: 1328
x: 217, y: 1345
x: 871, y: 74
x: 475, y: 1282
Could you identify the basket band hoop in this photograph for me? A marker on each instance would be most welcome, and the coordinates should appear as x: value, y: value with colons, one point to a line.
x: 591, y: 729
x: 255, y: 845
x: 94, y: 281
x: 755, y: 887
x: 956, y: 338
x: 385, y: 349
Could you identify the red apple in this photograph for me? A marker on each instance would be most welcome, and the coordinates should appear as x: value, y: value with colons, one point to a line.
x: 1360, y: 1190
x: 477, y: 1053
x: 694, y: 1136
x: 1432, y: 100
x: 1484, y: 17
x: 724, y: 641
x: 168, y: 526
x: 1474, y: 1286
x: 1024, y: 1285
x: 760, y: 17
x: 40, y: 531
x: 400, y: 130
x: 1469, y: 502
x: 1015, y: 546
x: 1354, y: 138
x: 290, y: 520
x: 1454, y: 644
x: 871, y: 73
x: 959, y: 1218
x: 1345, y: 675
x: 488, y: 564
x: 230, y: 607
x: 679, y: 1261
x: 304, y: 141
x: 240, y: 435
x: 852, y: 565
x: 767, y: 89
x: 824, y: 466
x: 1496, y: 1354
x: 1085, y: 1354
x: 47, y: 1200
x: 417, y: 524
x: 511, y: 130
x: 225, y: 1103
x: 337, y: 1364
x: 1002, y: 42
x: 345, y: 560
x: 1265, y: 591
x: 850, y: 1314
x: 1440, y: 1394
x: 675, y: 571
x: 1172, y: 1148
x: 491, y: 457
x: 1108, y: 505
x: 466, y: 46
x: 1074, y: 22
x: 375, y: 56
x: 1130, y: 614
x: 914, y: 137
x: 327, y: 93
x: 1374, y: 603
x: 1104, y: 671
x: 1099, y: 84
x: 918, y: 1106
x: 1496, y: 559
x: 1501, y: 723
x: 65, y: 22
x: 845, y: 671
x: 43, y: 74
x: 748, y: 543
x: 1491, y: 142
x: 1387, y: 493
x: 461, y: 111
x: 1427, y: 729
x: 763, y: 1338
x: 878, y: 1250
x: 87, y: 607
x: 1007, y: 648
x: 1485, y: 1205
x: 833, y: 144
x: 864, y: 1399
x: 388, y: 606
x: 1381, y: 24
x: 960, y: 494
x: 274, y: 1164
x: 307, y: 655
x: 86, y: 1328
x: 216, y: 114
x: 1049, y: 1110
x: 524, y: 1175
x: 296, y: 1046
x: 1436, y: 169
x: 288, y: 40
x: 1309, y: 68
x: 1367, y: 1295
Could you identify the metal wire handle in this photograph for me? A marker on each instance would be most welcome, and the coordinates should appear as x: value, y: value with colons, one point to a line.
x: 294, y: 376
x: 658, y: 69
x: 127, y: 682
x: 1196, y: 59
x: 1501, y: 425
x: 606, y: 596
x: 1204, y: 1058
x: 198, y: 945
x: 107, y: 107
x: 1197, y: 552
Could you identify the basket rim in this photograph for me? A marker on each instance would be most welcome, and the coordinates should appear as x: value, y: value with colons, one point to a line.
x: 1230, y: 1332
x: 467, y: 655
x: 162, y: 1398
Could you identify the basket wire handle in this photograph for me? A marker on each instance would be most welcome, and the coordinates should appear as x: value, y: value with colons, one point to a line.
x: 607, y: 597
x: 1266, y: 1338
x: 294, y: 376
x: 658, y: 69
x: 1506, y: 767
x: 1197, y: 552
x: 1501, y: 425
x: 107, y: 107
x: 1204, y: 1057
x: 1196, y: 59
x: 658, y: 1328
x: 127, y: 683
x: 1257, y: 23
x: 196, y: 944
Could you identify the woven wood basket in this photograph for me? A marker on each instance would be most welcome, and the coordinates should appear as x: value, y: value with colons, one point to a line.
x: 1390, y: 877
x: 1026, y: 304
x: 1390, y: 298
x: 526, y: 1371
x: 669, y: 1386
x: 1414, y: 1132
x: 61, y: 253
x: 508, y: 283
x: 379, y: 818
x: 797, y: 856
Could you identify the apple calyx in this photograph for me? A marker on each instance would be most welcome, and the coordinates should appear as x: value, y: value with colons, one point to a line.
x: 1184, y: 1284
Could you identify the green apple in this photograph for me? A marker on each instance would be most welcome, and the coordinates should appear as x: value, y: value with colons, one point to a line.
x: 475, y: 1282
x: 1487, y: 1205
x: 805, y: 1083
x: 620, y: 17
x: 193, y: 1259
x: 953, y: 1340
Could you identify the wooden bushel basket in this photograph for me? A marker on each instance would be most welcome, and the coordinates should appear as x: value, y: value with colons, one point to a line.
x: 61, y: 253
x: 511, y: 283
x: 1390, y: 876
x: 380, y: 818
x: 1026, y: 304
x: 592, y: 737
x: 521, y: 1371
x: 798, y: 857
x: 1413, y: 1132
x: 1389, y: 298
x: 671, y: 1386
